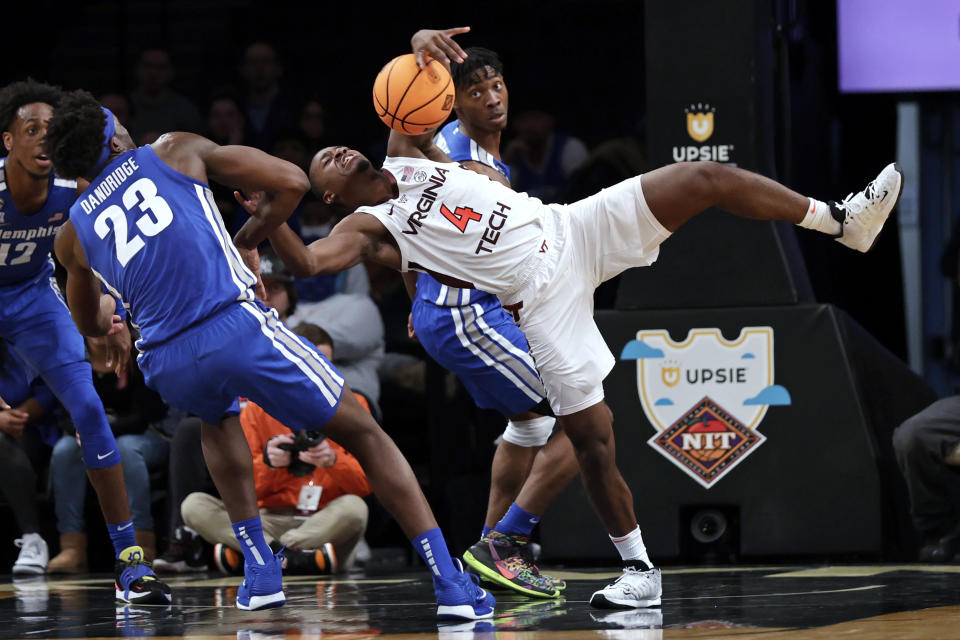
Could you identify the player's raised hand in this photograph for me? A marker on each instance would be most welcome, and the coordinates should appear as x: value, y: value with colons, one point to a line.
x: 439, y: 45
x: 249, y: 204
x: 411, y: 332
x: 117, y: 343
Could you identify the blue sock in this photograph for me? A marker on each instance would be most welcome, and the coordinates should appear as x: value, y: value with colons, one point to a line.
x: 486, y: 530
x: 250, y: 535
x: 433, y: 549
x: 121, y: 535
x: 516, y: 520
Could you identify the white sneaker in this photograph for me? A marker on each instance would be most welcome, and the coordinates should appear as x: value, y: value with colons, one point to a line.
x: 633, y: 589
x: 33, y: 557
x: 863, y: 214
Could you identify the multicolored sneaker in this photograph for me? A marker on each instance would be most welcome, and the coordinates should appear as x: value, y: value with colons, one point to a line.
x: 499, y: 558
x: 135, y: 580
x: 531, y: 551
x: 262, y: 586
x: 461, y: 598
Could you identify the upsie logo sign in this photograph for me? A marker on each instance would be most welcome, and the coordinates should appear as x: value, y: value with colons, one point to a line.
x: 706, y: 396
x: 700, y: 122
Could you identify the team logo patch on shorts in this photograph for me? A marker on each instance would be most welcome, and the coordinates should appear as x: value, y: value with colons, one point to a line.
x: 706, y: 396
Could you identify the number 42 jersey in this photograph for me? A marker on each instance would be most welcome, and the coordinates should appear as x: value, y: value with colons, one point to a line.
x: 155, y: 238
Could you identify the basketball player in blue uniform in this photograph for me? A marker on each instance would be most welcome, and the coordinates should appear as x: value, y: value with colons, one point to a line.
x: 469, y: 333
x: 148, y: 229
x: 34, y: 204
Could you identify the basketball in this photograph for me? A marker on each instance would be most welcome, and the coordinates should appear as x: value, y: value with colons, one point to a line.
x: 412, y: 100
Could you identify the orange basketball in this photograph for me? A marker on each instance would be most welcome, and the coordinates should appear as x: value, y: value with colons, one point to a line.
x: 412, y: 100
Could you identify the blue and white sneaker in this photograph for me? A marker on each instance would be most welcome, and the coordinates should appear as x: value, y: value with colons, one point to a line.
x: 262, y: 586
x: 461, y: 598
x: 135, y: 581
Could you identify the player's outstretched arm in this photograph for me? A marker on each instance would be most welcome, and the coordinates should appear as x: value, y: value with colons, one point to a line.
x: 92, y: 310
x: 245, y: 168
x: 401, y: 145
x: 345, y: 247
x: 283, y: 185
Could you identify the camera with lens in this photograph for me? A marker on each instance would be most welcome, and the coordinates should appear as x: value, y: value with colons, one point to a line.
x: 302, y: 440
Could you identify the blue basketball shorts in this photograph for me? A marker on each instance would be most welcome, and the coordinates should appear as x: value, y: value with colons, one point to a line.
x: 245, y: 351
x: 34, y: 319
x: 482, y: 345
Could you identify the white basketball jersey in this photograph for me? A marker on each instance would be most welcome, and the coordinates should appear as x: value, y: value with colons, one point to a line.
x: 458, y: 223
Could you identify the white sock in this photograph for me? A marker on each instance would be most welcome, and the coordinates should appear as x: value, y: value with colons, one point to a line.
x: 631, y: 547
x: 820, y: 219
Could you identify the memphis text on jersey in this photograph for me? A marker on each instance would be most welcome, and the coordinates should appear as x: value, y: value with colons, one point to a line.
x: 29, y: 234
x: 95, y: 196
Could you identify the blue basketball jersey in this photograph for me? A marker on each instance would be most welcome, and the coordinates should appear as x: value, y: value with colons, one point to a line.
x: 459, y: 147
x: 26, y: 241
x: 155, y: 238
x: 452, y: 141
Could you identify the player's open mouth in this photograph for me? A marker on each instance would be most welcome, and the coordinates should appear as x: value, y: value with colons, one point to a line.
x: 348, y: 158
x: 498, y: 118
x: 42, y: 160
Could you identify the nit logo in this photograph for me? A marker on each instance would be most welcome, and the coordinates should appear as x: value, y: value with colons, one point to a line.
x: 700, y: 121
x: 706, y: 396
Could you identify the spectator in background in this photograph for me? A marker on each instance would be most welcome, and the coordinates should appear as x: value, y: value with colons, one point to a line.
x: 281, y: 294
x: 131, y: 407
x: 225, y: 120
x: 27, y: 431
x: 927, y: 447
x: 541, y: 160
x: 313, y: 126
x: 119, y: 105
x: 353, y: 321
x: 269, y: 109
x: 187, y: 473
x: 292, y: 150
x: 319, y: 516
x: 157, y: 107
x: 226, y: 124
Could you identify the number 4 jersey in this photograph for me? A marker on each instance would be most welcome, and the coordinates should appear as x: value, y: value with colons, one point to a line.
x: 455, y: 222
x: 26, y: 241
x: 155, y: 238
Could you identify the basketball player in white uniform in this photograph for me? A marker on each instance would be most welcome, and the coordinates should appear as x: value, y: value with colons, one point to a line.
x: 421, y: 212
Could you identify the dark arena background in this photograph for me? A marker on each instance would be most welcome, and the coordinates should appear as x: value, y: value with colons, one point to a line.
x: 762, y: 370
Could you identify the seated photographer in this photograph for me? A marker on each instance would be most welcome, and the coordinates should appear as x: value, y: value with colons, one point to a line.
x: 309, y: 489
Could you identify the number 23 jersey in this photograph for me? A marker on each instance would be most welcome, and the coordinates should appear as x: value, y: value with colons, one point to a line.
x: 154, y: 236
x: 458, y: 223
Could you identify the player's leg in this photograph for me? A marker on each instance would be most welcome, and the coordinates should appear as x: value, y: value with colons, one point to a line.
x: 300, y: 388
x: 677, y: 192
x: 574, y: 359
x: 591, y: 433
x: 508, y: 472
x: 47, y: 340
x: 554, y: 466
